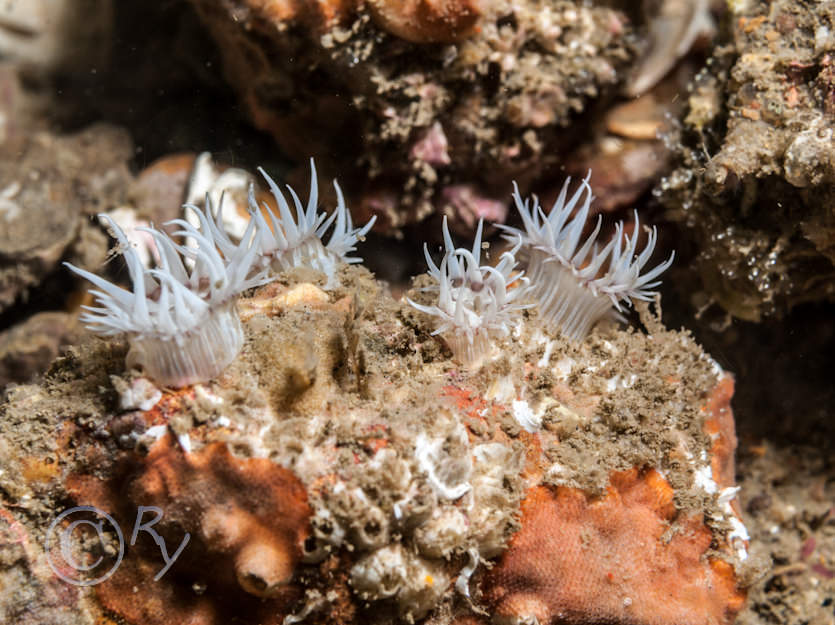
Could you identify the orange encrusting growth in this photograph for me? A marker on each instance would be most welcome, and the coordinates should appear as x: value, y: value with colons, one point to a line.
x: 418, y: 21
x: 627, y: 557
x: 427, y: 21
x: 719, y: 425
x: 611, y: 560
x: 247, y: 519
x: 316, y: 14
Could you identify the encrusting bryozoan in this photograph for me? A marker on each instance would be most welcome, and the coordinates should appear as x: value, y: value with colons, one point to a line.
x: 474, y: 301
x: 182, y: 323
x: 298, y: 242
x: 574, y: 284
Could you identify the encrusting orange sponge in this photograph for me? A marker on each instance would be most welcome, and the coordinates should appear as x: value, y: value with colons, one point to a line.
x: 610, y: 560
x: 247, y: 520
x: 626, y: 557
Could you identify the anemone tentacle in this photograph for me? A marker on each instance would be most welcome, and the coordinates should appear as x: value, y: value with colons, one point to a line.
x: 474, y: 302
x: 180, y: 316
x: 291, y: 241
x: 182, y: 322
x: 574, y: 281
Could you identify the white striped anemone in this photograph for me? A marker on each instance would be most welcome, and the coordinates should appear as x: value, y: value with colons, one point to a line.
x: 181, y: 322
x: 574, y: 281
x: 476, y: 303
x: 290, y: 241
x: 181, y: 317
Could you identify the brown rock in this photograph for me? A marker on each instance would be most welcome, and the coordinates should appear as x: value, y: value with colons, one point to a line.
x: 46, y: 191
x: 27, y: 348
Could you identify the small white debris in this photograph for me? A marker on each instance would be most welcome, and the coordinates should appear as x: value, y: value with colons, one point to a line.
x: 9, y: 209
x: 447, y: 473
x: 738, y: 537
x: 726, y: 496
x: 525, y: 417
x: 554, y: 471
x: 156, y: 431
x: 822, y: 39
x: 185, y: 442
x: 139, y: 394
x: 501, y: 390
x: 203, y: 394
x: 546, y: 357
x: 462, y: 583
x: 703, y: 477
x: 717, y: 369
x: 314, y: 601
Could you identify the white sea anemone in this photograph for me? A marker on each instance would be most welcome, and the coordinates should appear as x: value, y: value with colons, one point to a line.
x: 182, y: 323
x: 475, y: 302
x: 577, y: 284
x: 181, y: 316
x: 289, y: 241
